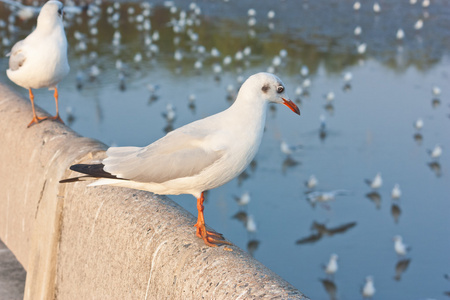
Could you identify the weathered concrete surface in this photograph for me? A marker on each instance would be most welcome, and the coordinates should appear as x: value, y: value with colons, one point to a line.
x: 79, y: 242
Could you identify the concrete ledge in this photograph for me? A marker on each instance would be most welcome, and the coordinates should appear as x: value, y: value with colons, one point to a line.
x: 105, y: 242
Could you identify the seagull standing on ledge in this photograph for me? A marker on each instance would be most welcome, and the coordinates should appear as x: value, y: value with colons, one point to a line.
x: 40, y: 60
x: 199, y: 156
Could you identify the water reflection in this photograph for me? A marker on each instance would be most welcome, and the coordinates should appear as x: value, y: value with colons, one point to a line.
x: 330, y: 287
x: 375, y: 197
x: 321, y: 230
x: 435, y: 167
x: 395, y: 212
x: 400, y: 268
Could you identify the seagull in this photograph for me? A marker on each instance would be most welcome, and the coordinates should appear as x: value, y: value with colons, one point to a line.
x: 330, y: 96
x: 376, y: 7
x: 40, y: 60
x: 418, y: 124
x: 418, y: 25
x: 400, y: 34
x: 199, y: 156
x: 348, y: 76
x: 396, y: 192
x: 436, y: 91
x: 376, y: 182
x: 332, y: 266
x: 170, y: 113
x: 324, y: 196
x: 289, y: 149
x: 369, y: 289
x: 361, y: 48
x: 304, y: 71
x: 250, y: 224
x: 311, y: 182
x: 400, y: 248
x: 244, y: 199
x: 436, y: 152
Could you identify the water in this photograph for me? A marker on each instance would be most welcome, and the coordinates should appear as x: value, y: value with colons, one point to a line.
x: 369, y: 128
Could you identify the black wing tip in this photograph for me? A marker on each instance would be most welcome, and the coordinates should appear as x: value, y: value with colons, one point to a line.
x: 93, y: 170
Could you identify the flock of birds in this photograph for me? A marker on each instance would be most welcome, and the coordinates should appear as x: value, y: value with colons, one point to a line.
x: 184, y: 22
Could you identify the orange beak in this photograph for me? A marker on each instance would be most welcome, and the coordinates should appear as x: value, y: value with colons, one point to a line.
x: 291, y: 105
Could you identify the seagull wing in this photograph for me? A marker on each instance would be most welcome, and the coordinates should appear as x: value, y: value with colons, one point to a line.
x: 16, y: 56
x: 178, y: 154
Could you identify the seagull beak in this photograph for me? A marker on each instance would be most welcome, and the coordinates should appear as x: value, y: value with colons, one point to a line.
x: 291, y: 105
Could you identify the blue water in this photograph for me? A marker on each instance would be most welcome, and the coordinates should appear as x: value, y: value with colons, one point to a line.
x: 369, y: 128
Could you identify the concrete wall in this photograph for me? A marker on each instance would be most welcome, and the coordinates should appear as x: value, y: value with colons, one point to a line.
x: 105, y: 242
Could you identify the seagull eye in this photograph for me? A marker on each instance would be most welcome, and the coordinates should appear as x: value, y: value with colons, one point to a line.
x: 280, y: 89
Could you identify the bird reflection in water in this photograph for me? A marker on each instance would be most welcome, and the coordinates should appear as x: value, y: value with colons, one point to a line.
x: 395, y: 212
x: 330, y: 287
x: 321, y: 230
x: 418, y: 138
x: 242, y: 177
x: 288, y: 163
x: 446, y: 276
x: 375, y: 197
x: 400, y: 268
x: 250, y: 225
x: 323, y: 128
x: 436, y: 168
x: 252, y: 246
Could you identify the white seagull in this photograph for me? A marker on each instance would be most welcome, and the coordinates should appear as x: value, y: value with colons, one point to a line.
x: 332, y: 266
x: 436, y: 152
x: 376, y: 183
x: 199, y: 156
x: 400, y: 248
x: 311, y: 182
x: 244, y: 199
x: 396, y: 192
x: 418, y: 124
x: 40, y: 60
x: 369, y: 289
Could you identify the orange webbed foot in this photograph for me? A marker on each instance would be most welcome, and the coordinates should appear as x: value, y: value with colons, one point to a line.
x: 210, y: 238
x: 56, y: 118
x: 36, y: 120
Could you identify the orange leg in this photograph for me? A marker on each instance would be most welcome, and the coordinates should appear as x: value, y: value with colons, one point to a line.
x: 35, y: 119
x: 210, y: 238
x: 56, y: 117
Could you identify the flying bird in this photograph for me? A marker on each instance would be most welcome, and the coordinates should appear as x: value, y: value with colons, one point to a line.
x: 196, y: 157
x: 40, y: 60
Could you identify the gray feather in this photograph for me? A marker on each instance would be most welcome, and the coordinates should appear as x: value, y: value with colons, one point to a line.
x: 176, y: 155
x: 16, y: 57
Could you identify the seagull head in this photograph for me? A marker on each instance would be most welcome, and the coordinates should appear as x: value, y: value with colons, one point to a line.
x: 271, y: 89
x: 397, y: 238
x: 51, y: 12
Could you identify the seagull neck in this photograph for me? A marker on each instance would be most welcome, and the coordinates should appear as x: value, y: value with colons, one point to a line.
x: 48, y: 25
x: 250, y: 111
